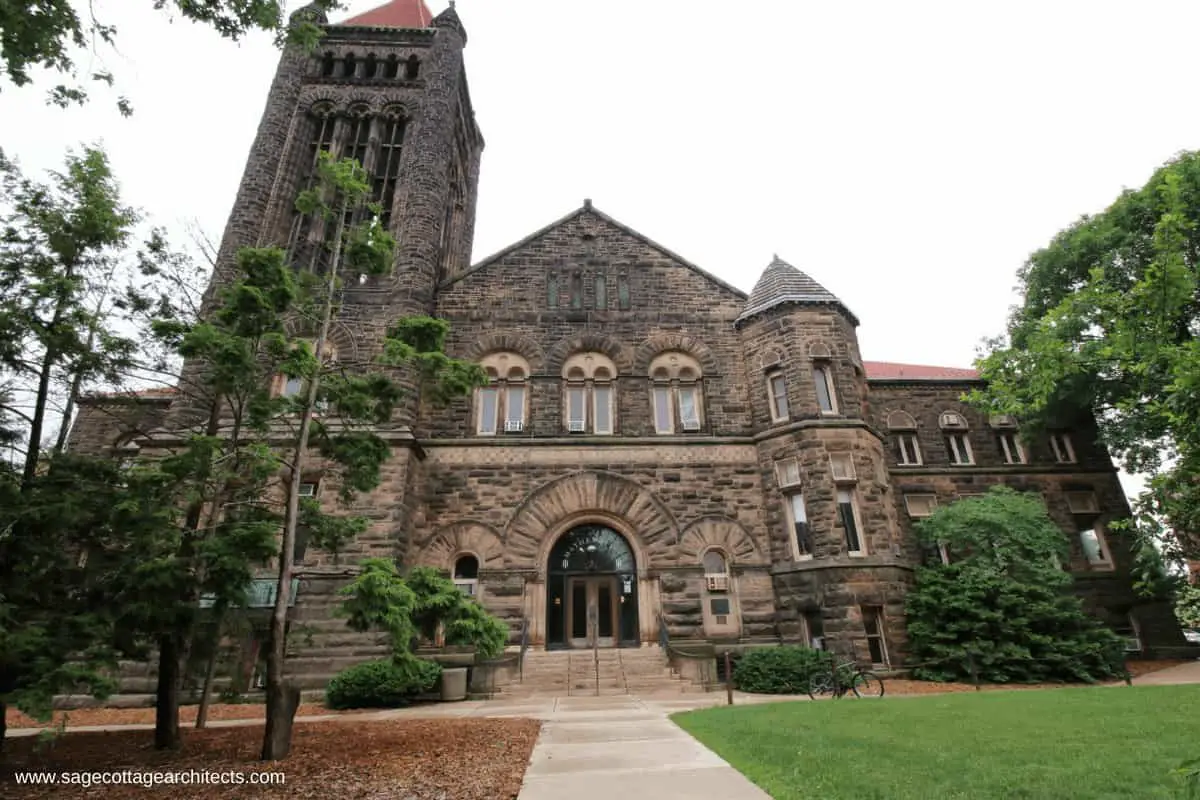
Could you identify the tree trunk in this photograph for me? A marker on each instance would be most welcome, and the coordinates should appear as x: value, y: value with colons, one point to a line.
x: 210, y: 668
x: 277, y: 739
x: 3, y: 725
x: 170, y: 682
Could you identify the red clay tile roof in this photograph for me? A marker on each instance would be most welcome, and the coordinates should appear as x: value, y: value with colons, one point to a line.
x: 396, y: 14
x: 887, y: 371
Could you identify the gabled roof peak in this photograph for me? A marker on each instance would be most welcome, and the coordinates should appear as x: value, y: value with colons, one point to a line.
x: 781, y: 284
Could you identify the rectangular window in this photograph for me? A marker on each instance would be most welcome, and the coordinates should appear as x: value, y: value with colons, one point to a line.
x: 576, y: 291
x: 601, y: 292
x: 602, y: 399
x: 292, y: 387
x: 848, y: 515
x: 777, y: 387
x: 824, y: 386
x: 488, y: 407
x: 907, y: 449
x: 689, y: 408
x: 1060, y: 445
x: 873, y: 625
x: 623, y: 292
x: 797, y: 517
x: 1095, y: 548
x: 576, y: 409
x: 1010, y: 448
x: 959, y: 449
x: 514, y: 409
x: 552, y: 291
x: 662, y: 410
x: 719, y: 606
x: 814, y: 630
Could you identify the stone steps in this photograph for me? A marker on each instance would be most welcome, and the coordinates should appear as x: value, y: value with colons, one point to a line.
x: 607, y: 672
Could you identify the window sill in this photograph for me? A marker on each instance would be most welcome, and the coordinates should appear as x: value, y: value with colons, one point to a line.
x: 801, y: 559
x: 857, y: 554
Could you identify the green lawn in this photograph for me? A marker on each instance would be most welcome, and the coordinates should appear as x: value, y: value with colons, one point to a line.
x: 1095, y: 742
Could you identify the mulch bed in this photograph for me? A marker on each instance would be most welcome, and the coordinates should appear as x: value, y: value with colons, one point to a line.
x: 898, y: 686
x: 410, y: 759
x: 84, y: 717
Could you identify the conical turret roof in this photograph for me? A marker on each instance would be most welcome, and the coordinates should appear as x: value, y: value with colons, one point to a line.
x: 781, y: 284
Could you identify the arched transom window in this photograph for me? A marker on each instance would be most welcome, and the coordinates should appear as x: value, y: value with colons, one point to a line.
x: 501, y: 405
x: 589, y: 391
x: 675, y: 393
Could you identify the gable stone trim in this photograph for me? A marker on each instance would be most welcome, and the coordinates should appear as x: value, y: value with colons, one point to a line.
x: 660, y: 343
x: 588, y: 342
x: 508, y: 342
x: 588, y: 209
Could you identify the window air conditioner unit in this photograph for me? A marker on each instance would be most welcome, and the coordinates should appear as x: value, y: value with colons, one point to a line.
x: 717, y: 583
x: 513, y: 425
x: 842, y: 466
x: 1083, y: 503
x: 721, y: 619
x: 952, y: 420
x: 308, y: 490
x: 466, y: 587
x: 575, y: 426
x: 1133, y: 645
x: 691, y: 425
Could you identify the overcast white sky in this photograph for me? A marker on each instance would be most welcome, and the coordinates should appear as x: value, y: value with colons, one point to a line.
x: 909, y: 156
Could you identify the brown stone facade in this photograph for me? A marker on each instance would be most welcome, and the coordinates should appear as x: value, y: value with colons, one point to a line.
x: 698, y: 418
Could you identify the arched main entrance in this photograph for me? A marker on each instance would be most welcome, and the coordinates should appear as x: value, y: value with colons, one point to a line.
x: 591, y: 590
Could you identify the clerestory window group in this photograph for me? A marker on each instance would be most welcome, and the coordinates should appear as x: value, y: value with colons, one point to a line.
x: 589, y: 395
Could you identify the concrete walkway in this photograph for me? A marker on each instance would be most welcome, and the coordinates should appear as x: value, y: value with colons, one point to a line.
x: 1184, y: 673
x: 613, y: 747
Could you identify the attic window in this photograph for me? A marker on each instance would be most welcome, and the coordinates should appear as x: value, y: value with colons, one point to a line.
x: 623, y: 292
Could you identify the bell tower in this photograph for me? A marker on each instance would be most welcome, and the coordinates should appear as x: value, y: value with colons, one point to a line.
x: 387, y: 87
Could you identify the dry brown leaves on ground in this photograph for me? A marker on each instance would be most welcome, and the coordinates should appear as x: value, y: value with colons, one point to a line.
x: 84, y: 717
x: 410, y: 759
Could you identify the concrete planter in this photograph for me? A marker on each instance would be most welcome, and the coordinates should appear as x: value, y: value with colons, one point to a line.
x: 454, y: 684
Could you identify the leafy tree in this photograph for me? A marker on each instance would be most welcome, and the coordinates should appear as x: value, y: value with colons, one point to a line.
x: 68, y: 525
x: 44, y: 33
x: 439, y: 603
x: 1108, y: 326
x: 1187, y: 605
x: 1002, y: 610
x: 360, y: 397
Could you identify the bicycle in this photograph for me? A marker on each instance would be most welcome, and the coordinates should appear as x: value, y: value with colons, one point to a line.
x: 863, y: 683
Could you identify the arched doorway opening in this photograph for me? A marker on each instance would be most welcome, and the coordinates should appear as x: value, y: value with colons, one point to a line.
x: 591, y: 590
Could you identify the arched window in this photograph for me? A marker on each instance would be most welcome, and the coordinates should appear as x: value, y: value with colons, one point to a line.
x: 716, y: 571
x: 370, y: 65
x: 822, y: 372
x: 412, y: 68
x: 327, y: 65
x: 502, y: 403
x: 387, y: 162
x: 589, y: 393
x: 349, y: 65
x: 958, y: 443
x: 391, y: 67
x: 466, y: 574
x: 903, y: 427
x: 675, y: 393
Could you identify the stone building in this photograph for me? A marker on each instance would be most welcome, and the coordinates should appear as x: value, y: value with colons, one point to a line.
x: 656, y: 447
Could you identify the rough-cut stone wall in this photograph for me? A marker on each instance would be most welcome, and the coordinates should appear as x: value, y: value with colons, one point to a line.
x: 1107, y: 590
x: 502, y: 304
x: 110, y: 425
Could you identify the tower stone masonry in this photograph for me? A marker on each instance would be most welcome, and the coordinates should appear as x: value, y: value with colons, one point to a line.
x: 657, y: 449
